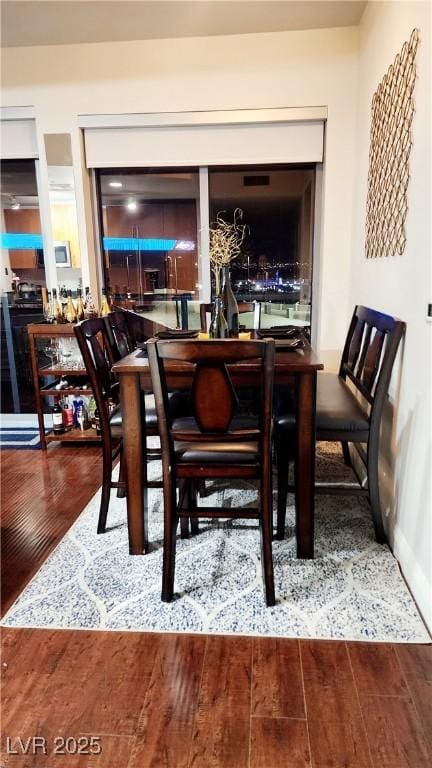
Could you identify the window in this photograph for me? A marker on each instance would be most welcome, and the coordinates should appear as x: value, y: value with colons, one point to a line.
x: 151, y: 238
x: 275, y: 266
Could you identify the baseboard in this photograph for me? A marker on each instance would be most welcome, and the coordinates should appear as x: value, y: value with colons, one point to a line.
x: 416, y: 579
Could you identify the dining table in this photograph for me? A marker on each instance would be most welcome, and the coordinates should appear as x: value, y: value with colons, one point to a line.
x: 298, y: 366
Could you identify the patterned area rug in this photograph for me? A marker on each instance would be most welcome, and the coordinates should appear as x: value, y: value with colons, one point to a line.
x: 19, y: 437
x: 352, y: 590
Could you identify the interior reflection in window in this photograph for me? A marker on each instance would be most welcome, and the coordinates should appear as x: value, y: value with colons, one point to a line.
x: 150, y: 236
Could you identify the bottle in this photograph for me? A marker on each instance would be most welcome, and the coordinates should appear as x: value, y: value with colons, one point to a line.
x: 70, y: 312
x: 63, y: 299
x: 96, y: 422
x: 105, y: 308
x: 218, y: 324
x: 57, y: 312
x: 57, y: 416
x: 82, y: 418
x: 79, y: 306
x: 77, y: 405
x: 47, y: 308
x: 89, y: 306
x: 67, y: 413
x: 229, y: 303
x: 91, y: 409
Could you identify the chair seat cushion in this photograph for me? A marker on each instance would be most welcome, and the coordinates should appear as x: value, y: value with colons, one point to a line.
x: 337, y: 407
x: 116, y: 417
x: 216, y: 452
x: 189, y: 424
x: 286, y: 421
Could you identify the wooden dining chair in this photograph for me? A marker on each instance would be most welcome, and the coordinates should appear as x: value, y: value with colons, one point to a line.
x: 96, y: 348
x: 126, y: 329
x: 349, y: 410
x: 213, y: 442
x: 244, y: 307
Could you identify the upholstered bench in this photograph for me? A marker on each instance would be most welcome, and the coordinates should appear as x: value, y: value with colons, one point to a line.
x: 349, y: 409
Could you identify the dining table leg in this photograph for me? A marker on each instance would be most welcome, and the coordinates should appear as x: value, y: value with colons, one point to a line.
x: 305, y: 463
x: 133, y: 406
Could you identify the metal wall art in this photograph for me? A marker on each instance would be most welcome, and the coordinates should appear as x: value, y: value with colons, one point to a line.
x: 390, y: 147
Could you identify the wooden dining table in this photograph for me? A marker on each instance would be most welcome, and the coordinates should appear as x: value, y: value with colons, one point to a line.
x: 298, y: 365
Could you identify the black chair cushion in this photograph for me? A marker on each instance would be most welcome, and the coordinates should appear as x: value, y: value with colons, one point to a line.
x: 286, y: 421
x: 337, y: 407
x: 216, y: 453
x: 116, y: 417
x: 188, y: 423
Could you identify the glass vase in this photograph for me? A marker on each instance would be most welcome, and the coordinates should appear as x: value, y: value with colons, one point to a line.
x: 218, y: 324
x: 230, y: 306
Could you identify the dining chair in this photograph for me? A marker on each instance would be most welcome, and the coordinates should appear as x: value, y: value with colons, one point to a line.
x: 213, y: 442
x: 126, y: 329
x: 349, y: 410
x: 121, y: 342
x: 244, y: 307
x: 96, y: 347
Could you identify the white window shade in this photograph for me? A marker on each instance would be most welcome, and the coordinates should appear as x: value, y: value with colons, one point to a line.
x: 18, y: 139
x: 201, y: 145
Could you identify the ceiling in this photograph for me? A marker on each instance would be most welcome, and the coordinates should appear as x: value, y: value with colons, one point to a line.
x: 61, y: 22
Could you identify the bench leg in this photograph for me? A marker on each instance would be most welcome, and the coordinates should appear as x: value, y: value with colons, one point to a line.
x: 374, y: 495
x: 346, y: 453
x: 169, y: 548
x: 282, y: 464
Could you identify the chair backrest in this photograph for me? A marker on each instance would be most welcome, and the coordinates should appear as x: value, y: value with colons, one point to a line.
x: 213, y: 398
x: 95, y: 347
x: 369, y: 353
x: 125, y: 329
x: 119, y: 335
x: 253, y: 307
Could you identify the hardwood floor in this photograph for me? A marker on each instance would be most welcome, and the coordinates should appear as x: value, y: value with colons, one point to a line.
x: 42, y: 494
x: 188, y: 701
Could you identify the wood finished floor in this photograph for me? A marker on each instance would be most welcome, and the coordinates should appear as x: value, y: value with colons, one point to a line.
x: 190, y: 701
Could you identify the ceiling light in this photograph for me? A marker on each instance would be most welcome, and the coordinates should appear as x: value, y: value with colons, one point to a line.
x: 131, y: 205
x: 116, y: 184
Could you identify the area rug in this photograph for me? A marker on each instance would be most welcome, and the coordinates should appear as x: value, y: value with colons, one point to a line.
x: 19, y: 438
x: 352, y: 590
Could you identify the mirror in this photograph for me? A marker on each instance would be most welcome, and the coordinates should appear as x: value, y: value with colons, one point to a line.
x: 62, y: 200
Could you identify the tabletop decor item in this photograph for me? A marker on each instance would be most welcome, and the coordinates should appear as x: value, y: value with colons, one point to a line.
x: 226, y: 239
x: 218, y: 328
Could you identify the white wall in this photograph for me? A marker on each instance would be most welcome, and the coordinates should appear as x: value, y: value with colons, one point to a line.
x: 308, y: 68
x: 401, y: 286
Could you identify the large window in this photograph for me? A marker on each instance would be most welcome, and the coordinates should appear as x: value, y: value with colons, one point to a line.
x: 275, y: 266
x: 152, y: 238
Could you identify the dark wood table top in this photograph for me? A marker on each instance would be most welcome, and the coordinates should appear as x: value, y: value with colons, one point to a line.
x: 287, y: 362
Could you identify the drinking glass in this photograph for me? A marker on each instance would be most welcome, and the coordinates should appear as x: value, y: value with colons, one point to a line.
x: 52, y: 351
x: 48, y: 311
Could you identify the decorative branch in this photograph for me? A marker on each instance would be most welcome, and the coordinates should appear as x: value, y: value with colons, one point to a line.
x: 226, y: 239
